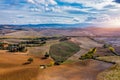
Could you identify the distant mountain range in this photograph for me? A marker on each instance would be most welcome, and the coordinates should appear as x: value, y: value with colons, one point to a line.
x: 46, y: 29
x: 45, y: 26
x: 55, y: 30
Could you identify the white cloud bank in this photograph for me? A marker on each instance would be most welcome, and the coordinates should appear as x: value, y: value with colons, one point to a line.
x: 59, y: 11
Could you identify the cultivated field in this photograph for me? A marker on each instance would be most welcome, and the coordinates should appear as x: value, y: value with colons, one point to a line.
x: 13, y: 67
x: 82, y: 70
x: 63, y: 50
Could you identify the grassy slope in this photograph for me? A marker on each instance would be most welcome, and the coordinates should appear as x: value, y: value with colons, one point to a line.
x: 112, y: 73
x: 63, y: 50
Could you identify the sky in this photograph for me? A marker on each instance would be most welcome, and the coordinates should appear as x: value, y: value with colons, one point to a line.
x: 92, y: 12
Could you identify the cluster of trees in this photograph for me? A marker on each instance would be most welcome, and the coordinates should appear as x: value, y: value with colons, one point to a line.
x: 89, y: 55
x: 13, y: 47
x: 2, y: 46
x: 46, y: 38
x: 111, y: 49
x: 64, y: 39
x: 32, y: 43
x: 17, y: 48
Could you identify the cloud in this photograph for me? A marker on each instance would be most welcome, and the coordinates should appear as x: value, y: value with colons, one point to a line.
x: 31, y: 1
x: 58, y: 11
x: 106, y: 21
x: 44, y: 2
x: 97, y: 4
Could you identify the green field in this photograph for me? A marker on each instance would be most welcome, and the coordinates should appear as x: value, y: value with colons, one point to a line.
x: 62, y: 51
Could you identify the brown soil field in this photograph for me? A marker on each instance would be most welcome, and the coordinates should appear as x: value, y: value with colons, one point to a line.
x: 82, y: 70
x: 85, y: 44
x: 41, y: 50
x: 23, y: 34
x: 103, y: 52
x: 12, y: 68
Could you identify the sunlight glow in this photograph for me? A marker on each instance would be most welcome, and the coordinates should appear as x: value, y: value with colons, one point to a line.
x: 115, y: 23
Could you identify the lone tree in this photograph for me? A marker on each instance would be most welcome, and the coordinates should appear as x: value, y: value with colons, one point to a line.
x: 106, y: 45
x: 46, y: 55
x: 30, y: 60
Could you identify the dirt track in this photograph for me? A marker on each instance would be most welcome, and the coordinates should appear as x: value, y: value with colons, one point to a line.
x: 85, y: 44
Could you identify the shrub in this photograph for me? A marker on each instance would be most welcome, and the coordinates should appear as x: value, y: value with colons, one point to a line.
x: 89, y: 55
x: 113, y: 50
x: 97, y: 55
x: 46, y: 55
x: 106, y: 46
x: 30, y: 60
x: 57, y: 63
x: 64, y: 39
x: 93, y: 51
x: 26, y: 63
x: 51, y: 64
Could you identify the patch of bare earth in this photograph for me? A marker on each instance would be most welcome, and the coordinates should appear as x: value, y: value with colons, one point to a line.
x: 83, y: 70
x: 12, y: 68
